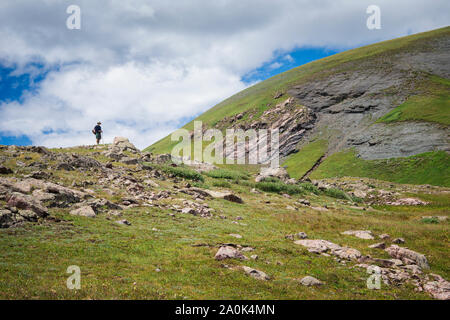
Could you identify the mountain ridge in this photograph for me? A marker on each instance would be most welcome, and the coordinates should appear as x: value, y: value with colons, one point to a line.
x: 349, y: 95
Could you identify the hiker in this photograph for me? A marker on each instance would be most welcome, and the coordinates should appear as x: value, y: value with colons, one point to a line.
x: 98, y: 132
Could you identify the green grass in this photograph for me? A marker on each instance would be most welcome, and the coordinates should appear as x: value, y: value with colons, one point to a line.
x: 299, y: 163
x: 181, y: 172
x: 260, y: 96
x: 433, y: 105
x: 427, y: 168
x: 279, y: 187
x: 227, y: 174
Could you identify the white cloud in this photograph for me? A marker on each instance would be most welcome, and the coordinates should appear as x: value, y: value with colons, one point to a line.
x: 143, y: 67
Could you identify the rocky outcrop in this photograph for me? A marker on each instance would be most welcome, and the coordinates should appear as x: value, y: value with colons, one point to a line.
x: 85, y: 211
x: 323, y: 246
x: 408, y: 256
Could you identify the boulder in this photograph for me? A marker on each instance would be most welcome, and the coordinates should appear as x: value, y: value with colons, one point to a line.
x: 124, y: 222
x: 129, y: 160
x: 323, y: 246
x: 227, y: 195
x: 5, y: 170
x: 380, y: 245
x: 310, y: 281
x: 229, y: 252
x: 439, y: 288
x: 85, y: 211
x: 257, y: 274
x: 124, y: 144
x: 408, y: 256
x: 266, y: 172
x: 362, y: 234
x: 27, y: 202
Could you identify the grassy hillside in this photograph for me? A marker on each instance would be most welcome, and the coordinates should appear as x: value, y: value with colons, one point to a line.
x: 299, y: 163
x: 432, y: 104
x: 261, y: 95
x: 427, y: 168
x: 166, y: 254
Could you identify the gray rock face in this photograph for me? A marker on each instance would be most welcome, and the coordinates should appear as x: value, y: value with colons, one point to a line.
x: 349, y: 101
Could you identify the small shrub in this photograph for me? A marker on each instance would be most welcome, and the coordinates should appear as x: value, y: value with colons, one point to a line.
x: 279, y: 187
x: 309, y: 187
x: 221, y: 184
x: 431, y: 220
x: 337, y: 193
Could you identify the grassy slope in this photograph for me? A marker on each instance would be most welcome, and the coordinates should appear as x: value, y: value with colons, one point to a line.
x: 261, y: 95
x: 432, y: 105
x: 427, y: 168
x: 120, y: 262
x: 299, y: 163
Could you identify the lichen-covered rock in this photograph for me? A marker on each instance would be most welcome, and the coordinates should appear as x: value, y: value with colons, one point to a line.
x: 85, y: 211
x: 23, y: 201
x: 229, y: 252
x: 257, y: 274
x: 362, y: 234
x: 408, y: 256
x: 309, y: 281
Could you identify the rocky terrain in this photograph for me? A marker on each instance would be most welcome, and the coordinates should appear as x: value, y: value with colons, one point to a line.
x: 140, y: 226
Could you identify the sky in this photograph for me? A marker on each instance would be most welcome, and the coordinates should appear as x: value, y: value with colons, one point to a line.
x: 146, y: 67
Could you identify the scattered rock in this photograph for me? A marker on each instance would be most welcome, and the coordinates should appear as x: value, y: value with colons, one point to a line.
x: 85, y: 211
x: 439, y: 288
x: 408, y: 256
x: 398, y: 241
x: 362, y: 234
x: 407, y: 202
x: 26, y: 202
x: 257, y: 274
x: 266, y: 172
x: 228, y: 252
x: 310, y: 281
x: 322, y: 246
x: 384, y: 236
x: 380, y: 245
x: 238, y: 236
x: 124, y: 222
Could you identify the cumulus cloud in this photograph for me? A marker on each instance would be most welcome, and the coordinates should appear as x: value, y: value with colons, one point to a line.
x: 145, y: 67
